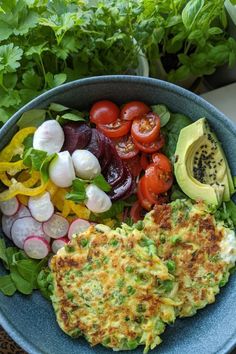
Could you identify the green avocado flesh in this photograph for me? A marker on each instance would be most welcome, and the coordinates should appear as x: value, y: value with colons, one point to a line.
x: 201, y: 168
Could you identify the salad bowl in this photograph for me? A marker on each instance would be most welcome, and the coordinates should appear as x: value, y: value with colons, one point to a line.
x: 30, y: 320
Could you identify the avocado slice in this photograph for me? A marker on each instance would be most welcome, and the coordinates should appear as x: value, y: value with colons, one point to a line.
x: 201, y: 168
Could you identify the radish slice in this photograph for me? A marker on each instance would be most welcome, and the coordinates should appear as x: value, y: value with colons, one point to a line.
x: 10, y: 206
x: 36, y: 247
x: 7, y: 221
x: 78, y: 226
x: 41, y: 207
x: 59, y: 243
x: 56, y: 227
x: 23, y: 228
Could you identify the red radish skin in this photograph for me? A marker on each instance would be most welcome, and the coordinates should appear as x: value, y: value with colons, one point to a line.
x: 78, y: 226
x: 59, y: 243
x: 56, y: 227
x: 41, y: 207
x: 7, y: 221
x: 36, y: 247
x: 25, y: 227
x: 10, y: 207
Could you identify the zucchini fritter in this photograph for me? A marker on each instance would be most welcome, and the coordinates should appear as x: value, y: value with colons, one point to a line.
x: 112, y: 288
x: 199, y: 250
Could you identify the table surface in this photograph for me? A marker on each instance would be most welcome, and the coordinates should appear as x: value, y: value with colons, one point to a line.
x: 222, y: 98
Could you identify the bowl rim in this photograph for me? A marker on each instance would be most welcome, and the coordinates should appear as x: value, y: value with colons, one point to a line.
x: 167, y: 86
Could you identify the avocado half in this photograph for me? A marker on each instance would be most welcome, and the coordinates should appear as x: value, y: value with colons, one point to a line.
x: 201, y: 168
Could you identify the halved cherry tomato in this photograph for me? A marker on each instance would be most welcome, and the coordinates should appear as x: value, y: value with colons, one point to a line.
x: 147, y: 194
x: 125, y: 147
x: 151, y: 147
x: 162, y: 161
x: 134, y: 165
x: 144, y: 161
x: 133, y: 109
x: 147, y: 128
x: 136, y: 211
x: 104, y: 112
x: 116, y: 129
x: 158, y: 180
x: 145, y: 203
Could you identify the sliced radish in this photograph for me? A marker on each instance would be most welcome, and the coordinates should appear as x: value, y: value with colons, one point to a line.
x: 41, y: 207
x: 10, y: 206
x: 25, y: 227
x: 78, y: 226
x: 56, y: 227
x: 59, y: 243
x: 36, y: 247
x: 7, y: 221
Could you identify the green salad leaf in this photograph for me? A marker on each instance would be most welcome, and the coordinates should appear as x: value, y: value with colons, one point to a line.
x: 32, y: 118
x: 162, y: 111
x: 22, y: 270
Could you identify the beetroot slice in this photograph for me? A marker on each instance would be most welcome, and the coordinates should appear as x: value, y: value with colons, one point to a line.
x: 105, y: 159
x: 95, y: 145
x: 116, y: 171
x: 123, y: 188
x: 77, y: 136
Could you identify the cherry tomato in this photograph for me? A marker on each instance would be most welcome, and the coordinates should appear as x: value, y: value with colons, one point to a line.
x: 158, y: 180
x: 144, y: 161
x: 116, y: 129
x: 144, y: 202
x: 147, y: 194
x: 136, y: 212
x: 162, y: 161
x: 133, y: 109
x: 134, y: 165
x: 147, y: 128
x: 104, y: 112
x: 125, y: 147
x: 151, y: 147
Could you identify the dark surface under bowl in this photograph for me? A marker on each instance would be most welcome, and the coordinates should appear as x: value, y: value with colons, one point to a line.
x: 30, y: 320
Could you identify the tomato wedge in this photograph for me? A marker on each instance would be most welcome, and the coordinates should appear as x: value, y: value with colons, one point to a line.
x: 134, y: 165
x: 133, y: 109
x: 144, y: 202
x: 151, y: 147
x: 147, y: 128
x: 104, y: 112
x: 148, y: 194
x: 158, y: 180
x: 136, y: 211
x: 162, y: 161
x: 116, y: 129
x: 125, y: 147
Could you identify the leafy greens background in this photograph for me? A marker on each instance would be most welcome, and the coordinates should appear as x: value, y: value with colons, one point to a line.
x: 46, y: 43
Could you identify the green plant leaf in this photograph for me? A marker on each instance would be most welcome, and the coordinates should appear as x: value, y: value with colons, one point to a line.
x: 73, y: 117
x: 44, y: 168
x: 100, y: 182
x: 163, y: 112
x: 191, y: 11
x: 22, y: 285
x: 34, y: 158
x: 3, y: 255
x: 32, y: 118
x: 56, y: 107
x: 7, y: 286
x: 78, y: 191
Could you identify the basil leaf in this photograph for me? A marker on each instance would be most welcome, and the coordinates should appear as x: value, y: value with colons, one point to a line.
x: 162, y: 111
x: 78, y: 192
x: 22, y: 285
x: 74, y: 117
x: 100, y: 182
x: 7, y: 286
x: 56, y: 107
x: 44, y: 168
x: 34, y: 158
x: 3, y: 255
x: 32, y: 118
x: 191, y: 11
x: 76, y: 197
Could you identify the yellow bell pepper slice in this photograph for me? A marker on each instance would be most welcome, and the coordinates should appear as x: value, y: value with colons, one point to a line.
x: 12, y: 167
x: 66, y: 209
x: 15, y: 147
x: 52, y: 188
x: 80, y: 210
x: 20, y: 188
x: 4, y: 179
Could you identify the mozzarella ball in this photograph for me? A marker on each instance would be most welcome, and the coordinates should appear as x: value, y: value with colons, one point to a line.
x: 49, y: 137
x: 86, y: 164
x: 61, y: 170
x: 97, y: 200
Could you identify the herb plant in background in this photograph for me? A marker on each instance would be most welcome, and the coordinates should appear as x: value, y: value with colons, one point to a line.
x: 46, y: 43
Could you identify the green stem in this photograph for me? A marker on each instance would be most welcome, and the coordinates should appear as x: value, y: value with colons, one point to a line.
x: 43, y: 69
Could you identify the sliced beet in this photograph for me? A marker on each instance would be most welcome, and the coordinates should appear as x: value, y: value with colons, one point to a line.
x: 77, y: 136
x: 116, y: 171
x: 95, y: 145
x: 105, y: 159
x: 124, y: 188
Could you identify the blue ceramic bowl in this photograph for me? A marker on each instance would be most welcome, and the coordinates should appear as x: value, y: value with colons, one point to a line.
x: 30, y: 320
